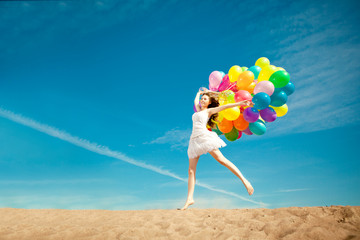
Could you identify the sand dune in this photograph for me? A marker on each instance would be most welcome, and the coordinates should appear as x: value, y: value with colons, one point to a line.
x: 335, y: 222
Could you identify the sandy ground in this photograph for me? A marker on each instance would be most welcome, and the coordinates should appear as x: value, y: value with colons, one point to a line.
x: 335, y: 222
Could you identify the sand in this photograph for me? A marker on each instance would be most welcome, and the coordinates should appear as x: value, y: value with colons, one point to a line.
x: 335, y: 222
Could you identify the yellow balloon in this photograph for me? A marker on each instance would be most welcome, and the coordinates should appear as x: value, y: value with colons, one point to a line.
x: 231, y: 113
x: 234, y: 73
x: 266, y: 72
x: 222, y: 98
x: 281, y: 111
x: 262, y: 62
x: 220, y: 117
x: 280, y: 69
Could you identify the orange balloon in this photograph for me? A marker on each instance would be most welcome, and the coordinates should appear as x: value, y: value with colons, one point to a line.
x: 250, y: 88
x: 245, y: 79
x: 240, y: 123
x: 225, y: 126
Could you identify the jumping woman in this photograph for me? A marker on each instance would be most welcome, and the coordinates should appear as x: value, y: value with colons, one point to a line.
x: 203, y: 141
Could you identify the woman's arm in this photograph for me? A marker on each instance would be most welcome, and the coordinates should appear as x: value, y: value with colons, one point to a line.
x: 196, y: 101
x: 226, y: 106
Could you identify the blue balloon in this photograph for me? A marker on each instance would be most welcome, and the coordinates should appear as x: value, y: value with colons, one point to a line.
x: 278, y: 98
x: 255, y: 70
x: 289, y: 88
x: 257, y: 128
x: 261, y: 100
x: 222, y: 73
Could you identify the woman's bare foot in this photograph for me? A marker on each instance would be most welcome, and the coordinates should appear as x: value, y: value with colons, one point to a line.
x: 249, y: 188
x: 187, y: 204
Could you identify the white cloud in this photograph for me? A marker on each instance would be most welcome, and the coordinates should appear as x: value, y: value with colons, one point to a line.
x: 178, y: 139
x: 104, y: 150
x: 323, y: 64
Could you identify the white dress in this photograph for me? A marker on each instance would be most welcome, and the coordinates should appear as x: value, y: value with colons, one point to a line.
x: 201, y: 139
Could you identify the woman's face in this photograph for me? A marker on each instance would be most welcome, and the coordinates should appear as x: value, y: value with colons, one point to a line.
x: 205, y: 101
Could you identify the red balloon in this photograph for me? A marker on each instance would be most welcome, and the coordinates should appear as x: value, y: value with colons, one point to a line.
x: 240, y: 134
x: 242, y: 95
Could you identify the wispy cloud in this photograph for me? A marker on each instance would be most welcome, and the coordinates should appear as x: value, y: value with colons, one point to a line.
x: 104, y: 150
x: 176, y: 138
x: 321, y: 53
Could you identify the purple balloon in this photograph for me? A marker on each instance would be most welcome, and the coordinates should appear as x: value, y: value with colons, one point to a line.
x: 268, y: 114
x: 247, y: 131
x: 251, y: 114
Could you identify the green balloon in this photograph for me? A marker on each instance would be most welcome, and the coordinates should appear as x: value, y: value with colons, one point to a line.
x: 244, y: 69
x: 216, y: 129
x: 258, y: 127
x: 233, y: 135
x: 231, y: 97
x: 280, y: 78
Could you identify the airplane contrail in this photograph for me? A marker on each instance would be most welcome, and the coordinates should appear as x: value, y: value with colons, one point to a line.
x: 104, y: 150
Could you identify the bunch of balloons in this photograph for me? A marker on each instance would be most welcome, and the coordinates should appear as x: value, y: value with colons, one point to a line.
x: 267, y: 86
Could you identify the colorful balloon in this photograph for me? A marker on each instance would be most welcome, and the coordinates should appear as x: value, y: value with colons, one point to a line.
x: 231, y: 113
x: 216, y: 129
x: 262, y: 62
x: 266, y: 72
x: 264, y: 86
x: 240, y: 134
x: 257, y: 128
x: 232, y: 135
x: 251, y: 114
x: 242, y: 95
x: 225, y: 126
x: 245, y: 79
x: 280, y: 79
x: 278, y: 98
x: 225, y: 83
x: 251, y: 87
x: 234, y: 73
x: 261, y: 100
x: 247, y: 131
x: 240, y: 123
x: 289, y: 88
x: 267, y: 86
x: 230, y: 96
x: 215, y: 80
x: 281, y: 111
x: 255, y: 70
x: 268, y: 114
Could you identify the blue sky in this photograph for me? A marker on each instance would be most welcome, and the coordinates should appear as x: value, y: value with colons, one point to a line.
x: 96, y: 99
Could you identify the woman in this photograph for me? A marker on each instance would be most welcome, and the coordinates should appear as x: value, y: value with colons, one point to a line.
x: 203, y: 141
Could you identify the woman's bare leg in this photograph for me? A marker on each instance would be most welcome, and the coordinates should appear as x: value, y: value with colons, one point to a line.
x: 191, y: 182
x: 223, y: 161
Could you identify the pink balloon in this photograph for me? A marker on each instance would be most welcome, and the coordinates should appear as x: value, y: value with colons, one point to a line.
x: 264, y: 86
x: 215, y: 80
x: 242, y: 95
x: 224, y: 85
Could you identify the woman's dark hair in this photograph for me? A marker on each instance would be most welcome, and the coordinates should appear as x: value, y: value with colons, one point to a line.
x: 214, y: 102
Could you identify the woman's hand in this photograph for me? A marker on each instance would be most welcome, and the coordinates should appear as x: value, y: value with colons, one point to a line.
x: 203, y: 90
x: 247, y: 103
